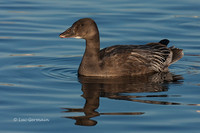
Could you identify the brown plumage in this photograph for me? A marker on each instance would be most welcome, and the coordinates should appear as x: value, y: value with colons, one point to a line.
x: 120, y: 60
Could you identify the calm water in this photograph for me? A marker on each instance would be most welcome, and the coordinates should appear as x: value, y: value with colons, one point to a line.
x: 39, y: 88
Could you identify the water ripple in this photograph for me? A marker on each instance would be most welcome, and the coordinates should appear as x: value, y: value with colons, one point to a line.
x: 60, y: 73
x: 38, y: 73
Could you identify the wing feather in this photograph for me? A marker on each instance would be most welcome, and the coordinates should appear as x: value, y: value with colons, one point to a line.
x: 136, y: 58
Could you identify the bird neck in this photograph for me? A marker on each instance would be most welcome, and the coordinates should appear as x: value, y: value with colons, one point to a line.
x: 92, y: 48
x: 90, y: 62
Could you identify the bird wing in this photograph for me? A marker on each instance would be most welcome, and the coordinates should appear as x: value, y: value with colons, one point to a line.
x: 137, y: 58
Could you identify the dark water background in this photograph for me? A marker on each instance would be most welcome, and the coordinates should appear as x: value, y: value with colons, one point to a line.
x: 39, y: 88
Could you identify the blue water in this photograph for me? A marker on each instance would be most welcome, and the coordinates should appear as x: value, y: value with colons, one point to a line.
x: 39, y: 88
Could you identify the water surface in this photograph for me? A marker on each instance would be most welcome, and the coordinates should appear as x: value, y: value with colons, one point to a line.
x: 39, y: 87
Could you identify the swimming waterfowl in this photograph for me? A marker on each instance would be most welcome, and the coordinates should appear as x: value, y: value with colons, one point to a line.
x: 120, y: 60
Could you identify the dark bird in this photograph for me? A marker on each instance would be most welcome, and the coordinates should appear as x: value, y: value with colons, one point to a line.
x: 120, y: 60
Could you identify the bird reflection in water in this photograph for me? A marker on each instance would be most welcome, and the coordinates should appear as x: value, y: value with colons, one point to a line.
x: 118, y: 88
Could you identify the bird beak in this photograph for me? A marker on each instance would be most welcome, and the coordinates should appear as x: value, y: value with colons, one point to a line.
x: 67, y: 34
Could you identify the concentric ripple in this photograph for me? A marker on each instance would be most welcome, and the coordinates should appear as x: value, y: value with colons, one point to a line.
x: 60, y: 72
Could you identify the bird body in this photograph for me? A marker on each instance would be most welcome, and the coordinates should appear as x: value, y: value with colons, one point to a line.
x: 120, y: 60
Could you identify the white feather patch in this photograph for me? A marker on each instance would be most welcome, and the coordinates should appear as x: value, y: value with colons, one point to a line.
x: 78, y: 37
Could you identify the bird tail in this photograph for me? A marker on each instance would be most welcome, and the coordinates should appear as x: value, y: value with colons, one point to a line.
x: 177, y: 54
x: 164, y: 42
